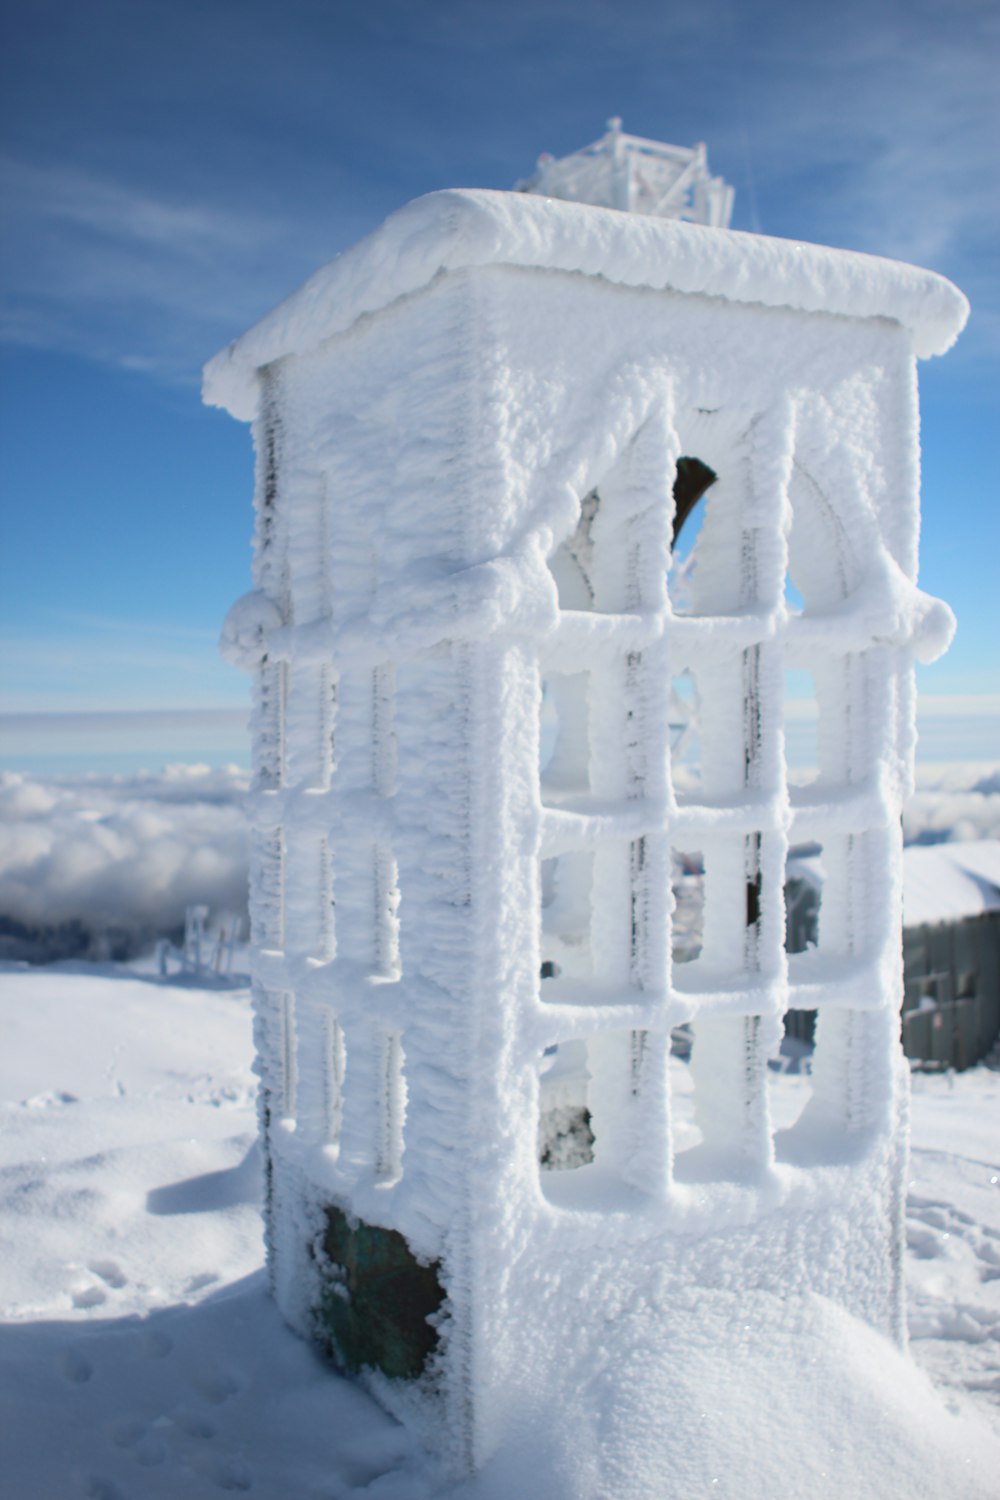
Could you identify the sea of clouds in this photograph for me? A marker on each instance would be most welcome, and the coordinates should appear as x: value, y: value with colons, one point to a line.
x: 102, y: 866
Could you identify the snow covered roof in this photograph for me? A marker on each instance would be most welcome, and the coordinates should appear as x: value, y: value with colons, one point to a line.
x: 944, y: 882
x: 941, y: 882
x: 460, y: 228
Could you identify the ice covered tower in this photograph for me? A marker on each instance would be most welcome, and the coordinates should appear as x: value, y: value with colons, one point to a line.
x: 489, y: 1181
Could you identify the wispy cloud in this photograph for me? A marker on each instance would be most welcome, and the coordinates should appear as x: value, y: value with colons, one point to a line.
x: 104, y: 665
x: 98, y: 267
x: 872, y: 124
x: 127, y: 852
x: 879, y: 132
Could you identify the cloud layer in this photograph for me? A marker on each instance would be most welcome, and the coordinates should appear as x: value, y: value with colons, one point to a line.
x: 127, y: 854
x: 122, y: 854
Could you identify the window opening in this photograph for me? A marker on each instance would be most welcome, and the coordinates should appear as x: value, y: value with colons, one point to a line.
x: 789, y: 1082
x: 571, y: 564
x: 685, y: 743
x: 289, y: 1060
x: 387, y: 951
x: 693, y: 480
x: 688, y: 887
x: 566, y: 884
x: 335, y: 1053
x: 392, y: 1111
x: 801, y: 722
x: 804, y: 876
x: 685, y: 1131
x: 565, y: 735
x: 565, y: 1134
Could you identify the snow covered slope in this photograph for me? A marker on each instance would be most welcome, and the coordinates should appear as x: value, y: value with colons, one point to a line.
x: 141, y: 1357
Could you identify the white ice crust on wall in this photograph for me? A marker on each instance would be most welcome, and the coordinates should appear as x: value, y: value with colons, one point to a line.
x: 461, y: 228
x: 246, y: 628
x: 420, y: 477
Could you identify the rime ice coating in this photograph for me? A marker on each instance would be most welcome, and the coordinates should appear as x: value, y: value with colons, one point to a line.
x: 468, y: 431
x: 461, y: 228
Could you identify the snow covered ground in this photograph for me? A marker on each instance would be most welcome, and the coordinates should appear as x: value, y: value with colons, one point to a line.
x: 141, y: 1356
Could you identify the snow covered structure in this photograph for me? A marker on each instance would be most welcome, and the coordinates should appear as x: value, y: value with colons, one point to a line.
x: 475, y: 434
x: 951, y: 952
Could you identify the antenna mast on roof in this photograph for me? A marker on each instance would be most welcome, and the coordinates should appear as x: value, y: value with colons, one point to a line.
x: 639, y: 176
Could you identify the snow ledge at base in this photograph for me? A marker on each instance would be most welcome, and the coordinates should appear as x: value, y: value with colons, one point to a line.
x: 459, y: 228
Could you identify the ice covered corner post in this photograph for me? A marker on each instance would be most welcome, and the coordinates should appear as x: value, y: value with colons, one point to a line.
x: 477, y: 432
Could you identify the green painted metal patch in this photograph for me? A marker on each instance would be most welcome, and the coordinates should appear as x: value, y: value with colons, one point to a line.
x: 376, y: 1299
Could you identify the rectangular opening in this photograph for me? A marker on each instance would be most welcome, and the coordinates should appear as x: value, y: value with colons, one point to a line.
x: 804, y: 877
x: 685, y: 742
x: 719, y: 1120
x: 801, y: 720
x: 335, y: 1058
x: 565, y: 1136
x: 288, y: 1043
x: 687, y: 885
x: 825, y: 1097
x: 684, y: 1129
x: 392, y: 1107
x: 566, y: 884
x: 565, y: 735
x: 789, y: 1081
x: 387, y: 954
x: 572, y: 563
x: 326, y: 945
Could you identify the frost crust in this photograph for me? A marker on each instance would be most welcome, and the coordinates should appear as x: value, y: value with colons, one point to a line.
x: 461, y: 228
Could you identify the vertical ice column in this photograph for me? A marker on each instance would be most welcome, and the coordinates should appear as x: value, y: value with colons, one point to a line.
x: 273, y: 1006
x: 742, y: 762
x: 309, y: 728
x: 629, y: 749
x: 860, y: 916
x: 360, y: 919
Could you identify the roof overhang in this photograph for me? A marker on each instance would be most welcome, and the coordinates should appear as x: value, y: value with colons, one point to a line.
x: 462, y: 228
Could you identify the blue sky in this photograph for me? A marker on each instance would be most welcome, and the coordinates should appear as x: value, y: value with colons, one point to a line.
x: 170, y: 170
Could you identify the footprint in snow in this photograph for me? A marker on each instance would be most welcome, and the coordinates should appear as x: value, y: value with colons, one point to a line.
x: 215, y: 1385
x: 102, y: 1489
x: 156, y: 1344
x: 90, y: 1296
x: 47, y: 1100
x: 225, y: 1473
x: 75, y: 1366
x: 151, y: 1451
x: 196, y: 1283
x: 125, y: 1432
x: 194, y: 1424
x: 110, y: 1272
